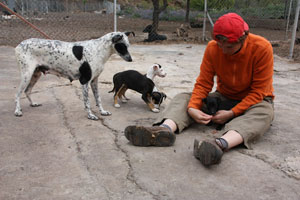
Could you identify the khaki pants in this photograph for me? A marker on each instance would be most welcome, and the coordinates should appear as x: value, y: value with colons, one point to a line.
x: 250, y: 125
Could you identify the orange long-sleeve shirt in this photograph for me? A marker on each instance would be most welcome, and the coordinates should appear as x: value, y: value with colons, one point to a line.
x: 246, y: 75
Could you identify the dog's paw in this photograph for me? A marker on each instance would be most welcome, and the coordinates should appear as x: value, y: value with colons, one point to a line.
x: 92, y: 117
x: 155, y: 110
x: 117, y: 105
x: 35, y: 104
x: 18, y: 113
x: 124, y: 100
x: 105, y: 113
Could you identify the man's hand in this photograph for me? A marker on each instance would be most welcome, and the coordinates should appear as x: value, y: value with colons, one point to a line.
x: 222, y: 116
x: 199, y: 116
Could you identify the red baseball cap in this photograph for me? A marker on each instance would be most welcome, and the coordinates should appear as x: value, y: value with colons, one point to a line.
x: 230, y: 25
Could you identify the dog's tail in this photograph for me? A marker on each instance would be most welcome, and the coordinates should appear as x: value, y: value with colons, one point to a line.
x: 112, y: 90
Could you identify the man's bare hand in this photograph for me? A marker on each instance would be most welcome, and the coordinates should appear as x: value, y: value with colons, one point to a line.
x: 222, y: 116
x: 199, y: 116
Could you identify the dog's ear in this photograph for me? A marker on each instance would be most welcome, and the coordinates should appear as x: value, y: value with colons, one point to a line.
x: 128, y: 33
x: 164, y: 95
x: 117, y: 38
x: 85, y: 73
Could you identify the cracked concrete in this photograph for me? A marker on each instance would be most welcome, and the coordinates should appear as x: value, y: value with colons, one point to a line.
x: 55, y: 152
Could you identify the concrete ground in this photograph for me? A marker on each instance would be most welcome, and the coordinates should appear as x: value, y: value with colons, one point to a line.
x: 55, y: 152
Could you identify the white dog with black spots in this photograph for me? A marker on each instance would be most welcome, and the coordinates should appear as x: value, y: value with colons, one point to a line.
x: 83, y: 61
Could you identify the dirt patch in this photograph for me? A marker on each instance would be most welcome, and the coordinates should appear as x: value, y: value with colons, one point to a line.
x: 283, y: 49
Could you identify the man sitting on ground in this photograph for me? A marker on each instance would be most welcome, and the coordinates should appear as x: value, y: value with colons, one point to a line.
x: 243, y: 65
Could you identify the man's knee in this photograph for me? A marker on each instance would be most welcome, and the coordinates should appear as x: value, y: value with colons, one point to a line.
x: 265, y: 110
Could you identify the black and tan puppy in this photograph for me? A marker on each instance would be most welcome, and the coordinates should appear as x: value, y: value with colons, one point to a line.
x: 143, y: 84
x: 136, y: 81
x: 214, y: 104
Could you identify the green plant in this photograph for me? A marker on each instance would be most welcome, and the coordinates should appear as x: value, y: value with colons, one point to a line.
x: 128, y: 10
x: 136, y: 15
x: 145, y: 5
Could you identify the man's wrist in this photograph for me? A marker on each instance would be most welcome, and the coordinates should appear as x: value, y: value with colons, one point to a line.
x: 232, y: 114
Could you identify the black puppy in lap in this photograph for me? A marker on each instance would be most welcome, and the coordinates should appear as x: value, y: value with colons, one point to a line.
x: 214, y: 104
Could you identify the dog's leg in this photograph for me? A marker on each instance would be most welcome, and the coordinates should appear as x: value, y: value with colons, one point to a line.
x: 149, y: 103
x: 87, y: 105
x: 116, y: 104
x: 94, y: 86
x: 18, y: 110
x: 25, y: 81
x: 122, y: 94
x: 152, y: 107
x: 125, y: 96
x: 35, y: 77
x: 118, y: 94
x: 155, y: 105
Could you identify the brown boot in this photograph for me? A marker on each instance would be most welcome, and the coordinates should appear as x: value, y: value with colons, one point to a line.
x: 208, y: 152
x: 150, y: 136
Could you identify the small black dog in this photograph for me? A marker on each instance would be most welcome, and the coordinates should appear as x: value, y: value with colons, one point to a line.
x: 152, y: 35
x: 136, y: 81
x: 214, y: 104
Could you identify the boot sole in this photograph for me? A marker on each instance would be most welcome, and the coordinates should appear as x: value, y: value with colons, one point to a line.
x: 141, y: 136
x: 207, y: 153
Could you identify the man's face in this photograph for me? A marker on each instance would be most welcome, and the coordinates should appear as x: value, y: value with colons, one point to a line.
x: 229, y: 48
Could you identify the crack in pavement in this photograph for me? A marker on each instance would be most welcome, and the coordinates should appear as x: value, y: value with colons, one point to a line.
x: 77, y: 143
x: 263, y: 157
x: 130, y: 174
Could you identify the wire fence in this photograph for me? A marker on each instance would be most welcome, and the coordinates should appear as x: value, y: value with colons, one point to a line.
x: 72, y: 20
